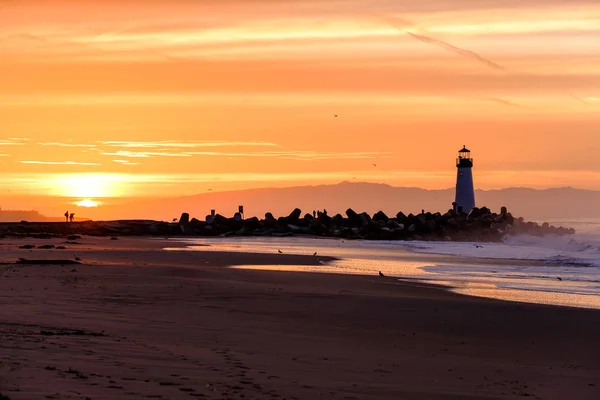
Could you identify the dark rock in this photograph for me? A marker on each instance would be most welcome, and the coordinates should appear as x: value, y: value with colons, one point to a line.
x: 294, y: 216
x: 352, y: 216
x: 184, y: 223
x: 380, y: 216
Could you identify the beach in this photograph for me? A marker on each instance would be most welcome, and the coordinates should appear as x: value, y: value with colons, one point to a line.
x: 135, y: 321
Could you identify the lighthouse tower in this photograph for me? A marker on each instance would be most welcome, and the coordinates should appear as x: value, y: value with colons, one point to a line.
x: 465, y: 193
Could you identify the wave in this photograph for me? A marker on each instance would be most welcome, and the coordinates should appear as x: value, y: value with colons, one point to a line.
x: 581, y: 250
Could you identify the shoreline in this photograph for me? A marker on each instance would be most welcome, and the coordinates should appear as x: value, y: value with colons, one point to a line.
x: 134, y: 321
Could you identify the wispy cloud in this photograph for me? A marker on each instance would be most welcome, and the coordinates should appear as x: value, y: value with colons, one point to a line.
x: 299, y: 155
x: 57, y: 163
x: 145, y: 154
x: 10, y: 143
x: 172, y: 143
x: 125, y: 162
x: 61, y: 144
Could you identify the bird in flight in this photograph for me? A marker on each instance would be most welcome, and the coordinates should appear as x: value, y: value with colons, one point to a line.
x: 279, y: 251
x: 315, y: 253
x: 335, y: 115
x: 478, y: 246
x: 374, y: 165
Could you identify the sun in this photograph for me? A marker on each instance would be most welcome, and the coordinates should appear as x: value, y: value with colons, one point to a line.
x: 87, y: 203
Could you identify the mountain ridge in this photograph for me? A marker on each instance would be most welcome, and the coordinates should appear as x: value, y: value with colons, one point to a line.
x: 550, y: 203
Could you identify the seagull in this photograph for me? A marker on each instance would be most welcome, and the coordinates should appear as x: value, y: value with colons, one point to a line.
x: 478, y: 246
x: 279, y: 251
x: 76, y: 258
x: 381, y: 275
x: 335, y: 115
x: 559, y: 278
x: 374, y: 165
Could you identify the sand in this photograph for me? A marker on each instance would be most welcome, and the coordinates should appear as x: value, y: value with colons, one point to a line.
x: 137, y: 322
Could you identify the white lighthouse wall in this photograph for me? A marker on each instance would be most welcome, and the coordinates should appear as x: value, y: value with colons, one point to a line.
x: 465, y: 192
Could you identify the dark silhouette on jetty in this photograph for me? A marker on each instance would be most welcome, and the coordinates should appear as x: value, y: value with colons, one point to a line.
x: 480, y: 225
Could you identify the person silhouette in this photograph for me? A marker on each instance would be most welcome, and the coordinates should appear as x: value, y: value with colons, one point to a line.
x: 314, y: 214
x: 71, y: 216
x: 67, y: 216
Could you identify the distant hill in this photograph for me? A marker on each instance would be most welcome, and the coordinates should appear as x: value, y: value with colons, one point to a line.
x: 369, y: 197
x: 21, y: 215
x: 30, y: 216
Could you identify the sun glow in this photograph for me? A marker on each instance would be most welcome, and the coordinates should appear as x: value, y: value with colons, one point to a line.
x: 86, y: 186
x: 87, y: 203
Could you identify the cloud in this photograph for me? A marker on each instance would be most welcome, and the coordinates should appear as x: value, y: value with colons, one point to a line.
x: 125, y: 162
x: 171, y: 143
x: 65, y: 144
x: 144, y: 154
x: 297, y: 155
x: 57, y: 163
x: 9, y: 143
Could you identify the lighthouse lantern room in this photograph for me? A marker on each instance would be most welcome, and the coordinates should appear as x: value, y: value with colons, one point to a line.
x: 465, y: 194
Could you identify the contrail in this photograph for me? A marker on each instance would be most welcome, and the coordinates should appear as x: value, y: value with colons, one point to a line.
x: 502, y: 101
x: 441, y: 43
x: 457, y: 50
x: 579, y: 99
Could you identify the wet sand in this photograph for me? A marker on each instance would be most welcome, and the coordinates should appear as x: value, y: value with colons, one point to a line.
x: 137, y: 322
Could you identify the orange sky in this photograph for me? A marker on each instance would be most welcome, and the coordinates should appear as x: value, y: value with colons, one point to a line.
x: 152, y: 98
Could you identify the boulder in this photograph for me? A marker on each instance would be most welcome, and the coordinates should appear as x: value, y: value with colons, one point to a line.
x: 294, y: 216
x: 380, y: 216
x: 352, y: 216
x: 184, y: 223
x: 270, y: 221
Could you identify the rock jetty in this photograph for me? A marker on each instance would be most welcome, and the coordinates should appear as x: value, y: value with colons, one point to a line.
x: 481, y: 225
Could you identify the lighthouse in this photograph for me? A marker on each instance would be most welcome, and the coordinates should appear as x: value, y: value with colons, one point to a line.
x: 465, y: 193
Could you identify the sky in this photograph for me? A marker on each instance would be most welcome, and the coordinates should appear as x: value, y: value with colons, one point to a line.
x: 104, y: 100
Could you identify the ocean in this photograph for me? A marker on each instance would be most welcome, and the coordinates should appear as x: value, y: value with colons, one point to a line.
x: 558, y: 270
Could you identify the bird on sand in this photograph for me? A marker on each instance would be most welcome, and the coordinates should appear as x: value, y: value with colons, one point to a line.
x: 381, y: 275
x: 478, y: 246
x: 76, y: 258
x: 315, y: 253
x: 279, y: 251
x: 559, y: 278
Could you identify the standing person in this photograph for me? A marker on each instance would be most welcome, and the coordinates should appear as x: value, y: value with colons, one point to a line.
x: 67, y: 216
x: 72, y: 216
